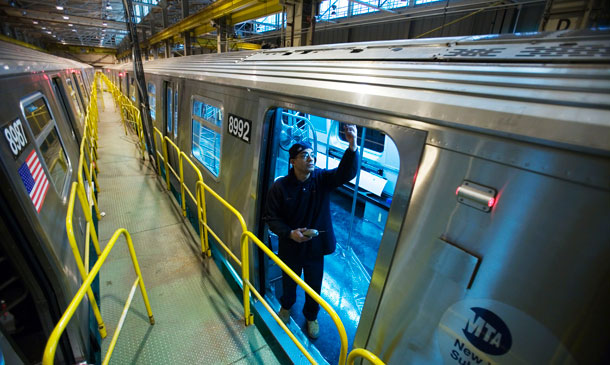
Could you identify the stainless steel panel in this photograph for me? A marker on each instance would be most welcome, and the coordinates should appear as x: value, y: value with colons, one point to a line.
x: 539, y: 255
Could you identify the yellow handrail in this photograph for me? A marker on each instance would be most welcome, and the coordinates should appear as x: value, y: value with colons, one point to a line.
x: 202, y: 188
x: 308, y: 290
x: 51, y: 347
x: 365, y: 354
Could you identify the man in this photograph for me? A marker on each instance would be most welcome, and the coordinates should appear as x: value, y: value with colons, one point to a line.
x: 301, y: 201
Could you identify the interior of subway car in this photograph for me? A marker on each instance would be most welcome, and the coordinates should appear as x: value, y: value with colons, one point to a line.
x: 359, y: 211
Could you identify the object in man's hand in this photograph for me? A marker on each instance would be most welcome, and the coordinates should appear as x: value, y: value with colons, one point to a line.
x: 311, y: 233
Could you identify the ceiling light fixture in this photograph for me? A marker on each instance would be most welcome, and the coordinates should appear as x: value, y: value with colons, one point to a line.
x: 70, y: 25
x: 105, y: 24
x: 35, y: 22
x: 66, y: 17
x: 59, y: 7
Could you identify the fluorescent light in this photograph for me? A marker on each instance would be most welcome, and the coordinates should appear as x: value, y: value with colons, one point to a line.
x: 44, y: 28
x: 35, y: 22
x: 59, y: 7
x: 108, y: 7
x: 66, y: 17
x: 70, y: 25
x: 105, y: 24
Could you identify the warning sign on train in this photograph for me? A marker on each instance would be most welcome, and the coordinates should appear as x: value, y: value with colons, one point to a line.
x: 486, y: 332
x: 239, y: 127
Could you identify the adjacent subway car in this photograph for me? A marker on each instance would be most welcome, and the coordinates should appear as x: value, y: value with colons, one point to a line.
x: 477, y: 228
x: 44, y: 101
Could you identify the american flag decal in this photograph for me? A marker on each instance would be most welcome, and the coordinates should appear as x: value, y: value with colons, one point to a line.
x: 35, y: 180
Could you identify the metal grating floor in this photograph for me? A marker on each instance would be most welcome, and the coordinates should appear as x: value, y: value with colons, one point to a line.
x: 199, y: 320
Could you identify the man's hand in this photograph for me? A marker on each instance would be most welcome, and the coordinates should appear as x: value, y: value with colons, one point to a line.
x: 297, y: 235
x: 351, y: 134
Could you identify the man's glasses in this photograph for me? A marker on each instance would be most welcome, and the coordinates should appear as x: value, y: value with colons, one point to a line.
x: 306, y: 155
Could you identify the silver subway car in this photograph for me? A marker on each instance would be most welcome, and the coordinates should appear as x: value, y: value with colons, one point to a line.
x: 43, y: 108
x: 477, y: 230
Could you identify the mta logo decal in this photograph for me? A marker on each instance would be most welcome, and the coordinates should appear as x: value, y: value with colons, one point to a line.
x: 487, y: 332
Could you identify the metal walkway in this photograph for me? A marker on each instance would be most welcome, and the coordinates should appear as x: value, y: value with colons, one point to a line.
x: 199, y: 319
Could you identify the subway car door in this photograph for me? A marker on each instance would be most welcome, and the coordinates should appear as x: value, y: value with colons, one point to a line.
x: 360, y: 209
x: 172, y: 107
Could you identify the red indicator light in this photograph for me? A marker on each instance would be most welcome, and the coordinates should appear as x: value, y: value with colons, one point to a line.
x: 491, y: 202
x: 457, y: 191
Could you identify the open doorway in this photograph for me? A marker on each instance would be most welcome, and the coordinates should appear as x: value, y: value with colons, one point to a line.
x: 359, y: 211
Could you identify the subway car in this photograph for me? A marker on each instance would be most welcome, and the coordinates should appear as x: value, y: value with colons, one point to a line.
x: 478, y: 227
x: 44, y: 102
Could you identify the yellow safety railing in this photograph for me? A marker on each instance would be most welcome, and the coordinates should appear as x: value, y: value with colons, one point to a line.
x: 51, y: 347
x: 246, y: 236
x: 308, y: 290
x: 88, y: 148
x: 364, y: 353
x: 130, y: 113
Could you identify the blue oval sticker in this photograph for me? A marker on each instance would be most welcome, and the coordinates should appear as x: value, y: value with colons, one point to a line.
x: 488, y: 332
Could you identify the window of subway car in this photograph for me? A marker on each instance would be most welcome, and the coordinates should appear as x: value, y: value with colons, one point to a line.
x: 206, y: 140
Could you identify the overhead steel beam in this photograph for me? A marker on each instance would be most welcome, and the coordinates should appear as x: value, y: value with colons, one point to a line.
x: 82, y: 49
x: 58, y: 18
x: 216, y: 10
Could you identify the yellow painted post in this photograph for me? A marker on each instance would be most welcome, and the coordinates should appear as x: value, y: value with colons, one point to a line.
x: 136, y: 267
x: 206, y: 248
x: 245, y: 273
x: 82, y: 197
x: 166, y: 164
x: 182, y: 185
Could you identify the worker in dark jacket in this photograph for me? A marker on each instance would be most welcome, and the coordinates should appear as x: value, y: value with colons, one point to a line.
x: 298, y: 203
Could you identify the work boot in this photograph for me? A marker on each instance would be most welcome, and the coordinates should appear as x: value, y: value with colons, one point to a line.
x: 313, y: 329
x: 284, y: 315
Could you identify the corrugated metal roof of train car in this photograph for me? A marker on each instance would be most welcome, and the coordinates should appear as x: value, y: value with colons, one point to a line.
x: 416, y: 89
x: 16, y: 59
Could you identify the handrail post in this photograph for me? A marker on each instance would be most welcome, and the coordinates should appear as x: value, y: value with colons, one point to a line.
x: 245, y: 273
x: 166, y: 163
x: 183, y: 198
x: 205, y: 248
x: 136, y: 267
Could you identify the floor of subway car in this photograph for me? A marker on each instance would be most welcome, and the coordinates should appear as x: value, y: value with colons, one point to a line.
x: 199, y: 319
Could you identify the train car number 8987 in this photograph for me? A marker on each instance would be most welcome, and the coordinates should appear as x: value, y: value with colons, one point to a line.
x: 240, y: 127
x: 15, y: 136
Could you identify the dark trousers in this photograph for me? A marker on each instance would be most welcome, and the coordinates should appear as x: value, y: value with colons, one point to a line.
x: 313, y: 269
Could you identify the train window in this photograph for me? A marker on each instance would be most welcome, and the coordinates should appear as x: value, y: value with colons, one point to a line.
x: 168, y: 108
x: 38, y: 116
x: 207, y: 133
x: 176, y: 112
x: 132, y: 89
x: 35, y: 109
x: 373, y: 140
x: 79, y: 107
x: 152, y: 100
x: 359, y: 209
x: 80, y: 93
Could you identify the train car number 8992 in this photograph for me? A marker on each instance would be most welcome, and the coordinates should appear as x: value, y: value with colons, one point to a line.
x: 240, y: 127
x: 15, y: 136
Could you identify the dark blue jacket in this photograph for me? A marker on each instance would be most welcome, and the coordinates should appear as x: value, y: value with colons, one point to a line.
x: 293, y: 204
